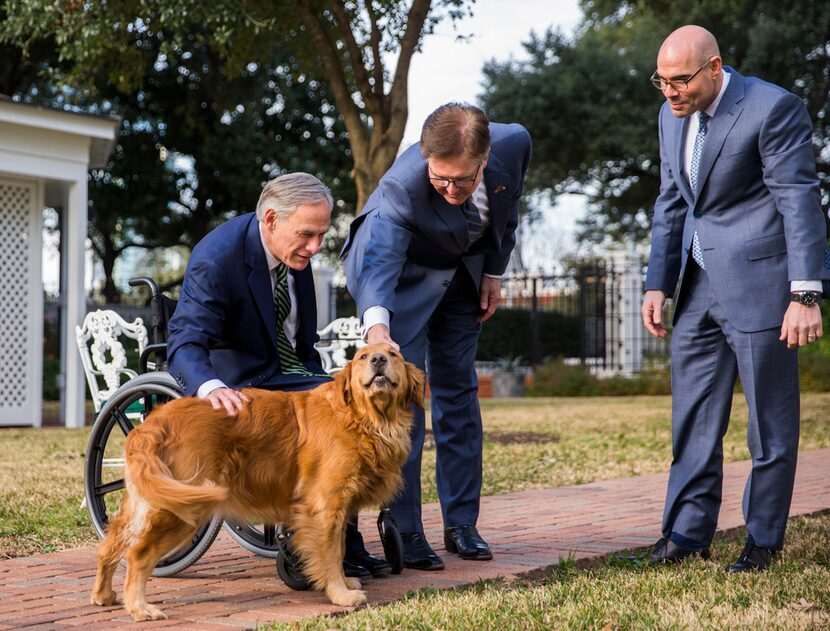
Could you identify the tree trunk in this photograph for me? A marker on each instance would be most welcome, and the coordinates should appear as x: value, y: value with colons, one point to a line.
x: 110, y: 291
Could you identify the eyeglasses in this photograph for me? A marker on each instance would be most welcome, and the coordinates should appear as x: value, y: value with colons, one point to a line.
x: 680, y: 84
x: 460, y: 182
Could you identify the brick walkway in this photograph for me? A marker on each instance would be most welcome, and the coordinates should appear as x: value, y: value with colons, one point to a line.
x: 231, y: 589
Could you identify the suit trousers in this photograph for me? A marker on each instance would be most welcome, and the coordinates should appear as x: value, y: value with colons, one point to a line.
x: 707, y: 354
x: 447, y: 347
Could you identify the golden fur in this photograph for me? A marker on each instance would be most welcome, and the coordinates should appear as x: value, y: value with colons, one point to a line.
x: 307, y: 459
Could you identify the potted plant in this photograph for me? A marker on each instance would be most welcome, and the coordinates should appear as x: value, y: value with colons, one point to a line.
x: 509, y: 378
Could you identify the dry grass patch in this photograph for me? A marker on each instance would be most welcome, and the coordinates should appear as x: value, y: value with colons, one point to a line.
x: 600, y: 438
x: 41, y: 488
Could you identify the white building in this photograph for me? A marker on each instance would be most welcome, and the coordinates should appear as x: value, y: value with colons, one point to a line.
x: 45, y: 155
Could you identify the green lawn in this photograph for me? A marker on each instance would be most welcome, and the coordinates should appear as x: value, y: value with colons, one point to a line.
x: 792, y: 594
x: 529, y: 443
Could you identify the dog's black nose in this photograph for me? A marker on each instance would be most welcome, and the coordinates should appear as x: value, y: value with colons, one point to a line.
x: 378, y: 360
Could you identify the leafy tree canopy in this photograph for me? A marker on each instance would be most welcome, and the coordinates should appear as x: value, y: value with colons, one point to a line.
x: 361, y: 49
x: 592, y: 113
x: 196, y: 144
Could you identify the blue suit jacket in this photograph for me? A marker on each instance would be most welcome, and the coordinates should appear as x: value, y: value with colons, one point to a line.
x: 224, y: 326
x: 407, y: 243
x: 756, y: 211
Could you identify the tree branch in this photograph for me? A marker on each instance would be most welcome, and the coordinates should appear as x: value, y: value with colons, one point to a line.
x: 361, y: 76
x: 374, y: 40
x: 336, y: 76
x: 399, y: 93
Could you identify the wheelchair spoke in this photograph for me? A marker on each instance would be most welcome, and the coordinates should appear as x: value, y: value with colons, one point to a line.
x: 123, y: 421
x: 269, y: 535
x: 109, y: 487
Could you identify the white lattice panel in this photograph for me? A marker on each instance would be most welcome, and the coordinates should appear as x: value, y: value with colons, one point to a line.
x: 21, y: 304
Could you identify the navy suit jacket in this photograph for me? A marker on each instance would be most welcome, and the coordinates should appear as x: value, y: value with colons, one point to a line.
x: 407, y: 243
x: 757, y: 209
x: 224, y: 326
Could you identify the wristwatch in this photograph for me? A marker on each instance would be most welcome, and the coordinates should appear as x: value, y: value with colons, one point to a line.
x: 806, y: 298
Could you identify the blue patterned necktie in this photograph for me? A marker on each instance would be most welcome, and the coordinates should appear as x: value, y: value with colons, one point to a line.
x: 697, y: 252
x: 473, y: 219
x: 289, y: 363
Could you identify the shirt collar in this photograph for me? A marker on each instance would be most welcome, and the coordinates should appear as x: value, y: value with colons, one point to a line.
x: 713, y: 106
x: 272, y: 260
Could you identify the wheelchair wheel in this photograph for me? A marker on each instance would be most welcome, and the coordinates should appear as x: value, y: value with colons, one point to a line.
x: 104, y: 464
x: 289, y: 566
x: 260, y: 539
x: 391, y: 539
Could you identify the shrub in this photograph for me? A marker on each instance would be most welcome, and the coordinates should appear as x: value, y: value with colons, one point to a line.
x: 814, y: 371
x: 555, y: 378
x: 51, y: 368
x: 508, y: 333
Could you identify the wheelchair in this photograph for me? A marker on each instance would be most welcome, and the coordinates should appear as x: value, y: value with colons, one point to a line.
x: 104, y: 483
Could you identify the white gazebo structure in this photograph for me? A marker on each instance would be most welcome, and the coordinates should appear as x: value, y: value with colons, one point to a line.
x: 45, y: 155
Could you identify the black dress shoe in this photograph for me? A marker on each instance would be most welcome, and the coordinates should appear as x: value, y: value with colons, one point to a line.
x: 467, y: 543
x: 417, y: 554
x: 375, y: 565
x: 752, y: 558
x: 666, y: 551
x: 354, y: 570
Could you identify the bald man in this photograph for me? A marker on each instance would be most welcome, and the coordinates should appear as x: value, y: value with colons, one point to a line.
x: 739, y: 225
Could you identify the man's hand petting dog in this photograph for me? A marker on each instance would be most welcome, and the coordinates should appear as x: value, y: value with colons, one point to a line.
x: 231, y: 400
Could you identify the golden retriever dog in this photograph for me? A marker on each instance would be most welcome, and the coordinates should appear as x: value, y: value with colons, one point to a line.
x: 306, y: 459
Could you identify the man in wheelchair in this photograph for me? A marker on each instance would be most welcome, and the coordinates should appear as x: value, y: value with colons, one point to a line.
x: 247, y: 314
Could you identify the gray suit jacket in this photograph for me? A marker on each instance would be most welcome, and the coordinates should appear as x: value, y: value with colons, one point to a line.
x: 757, y: 210
x: 407, y: 243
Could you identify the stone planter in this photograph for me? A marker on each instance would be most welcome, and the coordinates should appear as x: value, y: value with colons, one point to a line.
x: 508, y: 384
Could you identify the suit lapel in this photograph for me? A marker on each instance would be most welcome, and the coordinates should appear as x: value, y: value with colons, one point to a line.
x: 729, y: 109
x: 451, y: 216
x: 259, y: 281
x: 497, y: 183
x: 306, y: 306
x: 678, y: 137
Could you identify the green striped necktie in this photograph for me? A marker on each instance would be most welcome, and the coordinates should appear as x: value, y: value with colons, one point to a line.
x: 289, y: 362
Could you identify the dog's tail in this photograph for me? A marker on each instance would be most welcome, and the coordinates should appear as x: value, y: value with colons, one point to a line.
x: 152, y: 480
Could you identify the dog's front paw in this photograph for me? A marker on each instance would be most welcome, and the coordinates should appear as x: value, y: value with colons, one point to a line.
x: 353, y: 583
x: 347, y: 597
x: 103, y: 599
x: 147, y: 612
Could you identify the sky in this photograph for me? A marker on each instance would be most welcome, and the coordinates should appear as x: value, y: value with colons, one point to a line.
x: 449, y: 70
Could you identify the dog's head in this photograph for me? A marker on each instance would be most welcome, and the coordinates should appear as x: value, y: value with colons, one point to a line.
x: 379, y: 376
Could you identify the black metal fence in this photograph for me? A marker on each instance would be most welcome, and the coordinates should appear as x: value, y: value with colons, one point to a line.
x: 574, y: 315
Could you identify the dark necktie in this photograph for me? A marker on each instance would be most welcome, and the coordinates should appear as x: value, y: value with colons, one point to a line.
x: 473, y: 218
x: 289, y: 363
x: 697, y: 253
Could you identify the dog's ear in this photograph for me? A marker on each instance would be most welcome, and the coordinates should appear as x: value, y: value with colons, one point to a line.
x: 343, y: 380
x: 415, y: 377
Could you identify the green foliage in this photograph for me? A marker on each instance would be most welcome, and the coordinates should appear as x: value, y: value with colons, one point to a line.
x: 51, y: 369
x: 587, y: 102
x: 199, y: 137
x: 814, y: 372
x: 345, y: 46
x: 508, y: 334
x: 555, y: 378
